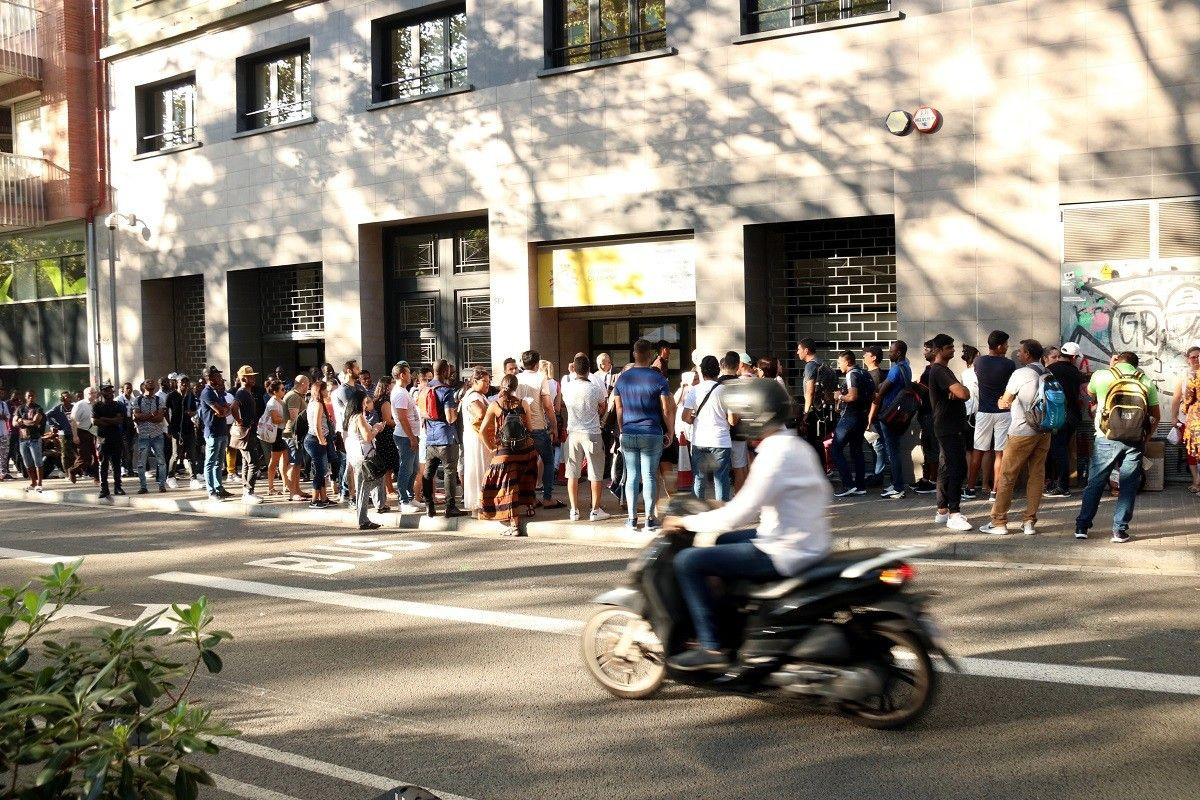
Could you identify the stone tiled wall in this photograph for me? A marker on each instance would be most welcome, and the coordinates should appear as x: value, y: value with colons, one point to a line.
x: 721, y: 136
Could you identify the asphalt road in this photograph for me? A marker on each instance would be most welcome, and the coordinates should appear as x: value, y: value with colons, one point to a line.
x: 453, y: 663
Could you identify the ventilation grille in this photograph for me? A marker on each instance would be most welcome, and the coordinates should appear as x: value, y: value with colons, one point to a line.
x: 1179, y: 229
x: 1107, y: 233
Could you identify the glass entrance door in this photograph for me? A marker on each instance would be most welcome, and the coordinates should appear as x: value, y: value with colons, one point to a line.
x: 616, y: 337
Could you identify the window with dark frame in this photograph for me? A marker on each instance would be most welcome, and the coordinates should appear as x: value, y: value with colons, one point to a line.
x: 773, y: 15
x: 418, y: 54
x: 592, y: 30
x: 275, y: 87
x: 166, y: 114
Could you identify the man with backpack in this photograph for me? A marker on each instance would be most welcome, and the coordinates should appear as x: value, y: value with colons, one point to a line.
x: 439, y: 413
x: 894, y: 415
x: 1028, y: 440
x: 852, y: 424
x: 1127, y: 413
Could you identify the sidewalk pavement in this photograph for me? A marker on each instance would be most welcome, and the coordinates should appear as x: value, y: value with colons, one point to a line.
x: 1165, y: 530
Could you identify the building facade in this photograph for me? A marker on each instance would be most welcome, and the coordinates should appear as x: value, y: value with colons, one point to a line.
x: 398, y: 179
x: 50, y: 189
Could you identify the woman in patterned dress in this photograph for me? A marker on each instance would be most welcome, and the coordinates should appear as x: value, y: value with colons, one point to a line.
x: 1186, y: 404
x: 508, y: 484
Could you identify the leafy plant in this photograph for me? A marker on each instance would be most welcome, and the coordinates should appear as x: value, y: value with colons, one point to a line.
x: 102, y: 717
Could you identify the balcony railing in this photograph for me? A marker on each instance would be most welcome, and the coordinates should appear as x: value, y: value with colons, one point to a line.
x: 23, y: 182
x: 19, y: 41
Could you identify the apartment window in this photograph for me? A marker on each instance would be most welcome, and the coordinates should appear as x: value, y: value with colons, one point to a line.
x: 166, y: 115
x: 590, y: 30
x: 773, y: 15
x: 275, y: 87
x: 419, y: 55
x: 6, y: 129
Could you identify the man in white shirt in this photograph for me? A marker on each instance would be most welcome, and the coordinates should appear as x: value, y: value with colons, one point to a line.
x: 711, y: 442
x: 83, y: 434
x: 602, y: 376
x: 585, y: 402
x: 1026, y: 446
x: 404, y: 410
x: 786, y: 492
x: 534, y: 390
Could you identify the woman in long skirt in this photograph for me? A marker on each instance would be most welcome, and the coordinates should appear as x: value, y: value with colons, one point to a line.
x: 508, y: 485
x: 476, y: 453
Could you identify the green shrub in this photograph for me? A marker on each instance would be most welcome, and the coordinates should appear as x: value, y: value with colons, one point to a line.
x: 105, y: 715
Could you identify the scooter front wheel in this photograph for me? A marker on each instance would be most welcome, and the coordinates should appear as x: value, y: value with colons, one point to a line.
x: 623, y: 654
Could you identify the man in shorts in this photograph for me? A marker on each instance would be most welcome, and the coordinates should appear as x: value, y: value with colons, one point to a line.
x: 991, y: 422
x: 585, y: 402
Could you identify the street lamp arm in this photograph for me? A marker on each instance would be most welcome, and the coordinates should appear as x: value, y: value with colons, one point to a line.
x: 112, y: 220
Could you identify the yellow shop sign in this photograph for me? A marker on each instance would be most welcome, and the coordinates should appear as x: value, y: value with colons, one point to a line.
x: 617, y: 273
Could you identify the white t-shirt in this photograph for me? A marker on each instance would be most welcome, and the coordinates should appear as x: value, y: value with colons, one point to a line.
x: 582, y: 400
x: 531, y: 385
x: 229, y: 402
x: 274, y: 404
x: 81, y: 415
x: 1023, y: 385
x: 414, y: 416
x: 710, y: 428
x: 970, y: 381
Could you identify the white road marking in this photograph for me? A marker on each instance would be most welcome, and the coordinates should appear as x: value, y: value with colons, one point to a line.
x: 247, y: 790
x: 36, y: 558
x: 1090, y: 568
x: 983, y: 667
x: 168, y: 619
x: 501, y: 619
x: 321, y: 767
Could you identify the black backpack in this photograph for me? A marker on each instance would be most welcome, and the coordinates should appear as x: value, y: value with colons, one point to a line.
x: 826, y: 385
x: 512, y: 426
x: 300, y: 428
x: 866, y: 388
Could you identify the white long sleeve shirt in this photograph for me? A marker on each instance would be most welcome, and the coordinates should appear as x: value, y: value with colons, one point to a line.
x: 789, y: 495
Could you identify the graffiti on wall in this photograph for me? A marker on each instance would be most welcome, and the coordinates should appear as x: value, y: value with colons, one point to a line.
x: 1155, y: 314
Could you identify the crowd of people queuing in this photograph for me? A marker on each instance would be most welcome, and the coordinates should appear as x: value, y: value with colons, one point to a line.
x: 332, y: 438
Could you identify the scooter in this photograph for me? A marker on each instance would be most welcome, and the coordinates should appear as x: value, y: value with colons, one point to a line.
x: 846, y: 633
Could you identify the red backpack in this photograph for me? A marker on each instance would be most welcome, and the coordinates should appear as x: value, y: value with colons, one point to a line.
x: 432, y: 408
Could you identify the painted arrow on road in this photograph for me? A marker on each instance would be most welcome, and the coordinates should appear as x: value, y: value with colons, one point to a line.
x: 169, y: 621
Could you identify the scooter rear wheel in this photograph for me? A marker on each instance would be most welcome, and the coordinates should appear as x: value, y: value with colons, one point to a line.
x: 622, y: 654
x: 908, y: 683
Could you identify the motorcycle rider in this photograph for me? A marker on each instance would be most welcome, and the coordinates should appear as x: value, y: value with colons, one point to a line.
x: 786, y: 491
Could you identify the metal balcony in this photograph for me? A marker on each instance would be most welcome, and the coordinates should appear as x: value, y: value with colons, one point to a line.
x: 19, y: 57
x: 23, y: 189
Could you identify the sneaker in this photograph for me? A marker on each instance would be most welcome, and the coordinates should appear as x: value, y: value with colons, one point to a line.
x: 162, y: 489
x: 699, y: 659
x: 1028, y: 528
x: 224, y: 494
x: 940, y: 518
x: 103, y: 496
x: 1120, y: 537
x: 195, y: 483
x: 1057, y: 493
x: 251, y: 499
x: 892, y: 494
x: 992, y: 528
x: 652, y: 524
x: 631, y: 524
x: 958, y: 522
x: 573, y: 515
x: 172, y: 483
x: 369, y: 526
x: 599, y: 514
x: 851, y: 492
x: 970, y: 494
x: 418, y: 505
x: 213, y: 497
x: 318, y: 504
x: 119, y: 491
x: 991, y: 497
x: 1080, y: 533
x: 142, y: 490
x: 38, y: 489
x: 923, y: 487
x: 383, y: 510
x: 411, y: 508
x: 452, y: 511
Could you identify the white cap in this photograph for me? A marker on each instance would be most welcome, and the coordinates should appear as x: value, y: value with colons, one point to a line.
x: 1069, y: 349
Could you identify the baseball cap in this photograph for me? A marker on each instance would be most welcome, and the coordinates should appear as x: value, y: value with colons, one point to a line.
x: 745, y: 358
x: 1069, y: 349
x: 106, y: 385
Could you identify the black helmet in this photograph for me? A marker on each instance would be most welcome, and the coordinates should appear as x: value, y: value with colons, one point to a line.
x: 760, y: 404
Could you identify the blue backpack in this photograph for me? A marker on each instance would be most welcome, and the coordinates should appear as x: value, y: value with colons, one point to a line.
x: 1049, y: 409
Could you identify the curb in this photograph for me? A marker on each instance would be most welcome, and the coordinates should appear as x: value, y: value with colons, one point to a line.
x: 1042, y: 549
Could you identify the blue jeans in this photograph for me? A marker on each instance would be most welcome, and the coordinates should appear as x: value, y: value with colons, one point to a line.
x: 880, y: 446
x: 1059, y: 465
x: 1108, y: 455
x: 214, y: 461
x: 406, y: 471
x: 148, y: 445
x: 713, y: 463
x: 641, y: 452
x: 337, y: 464
x: 545, y: 450
x: 734, y: 556
x: 895, y: 459
x: 318, y: 456
x: 849, y: 432
x: 31, y: 453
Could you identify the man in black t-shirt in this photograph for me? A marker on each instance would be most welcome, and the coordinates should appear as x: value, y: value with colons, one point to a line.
x: 1058, y: 466
x: 929, y: 440
x: 245, y: 440
x: 173, y: 448
x: 948, y: 398
x: 109, y: 418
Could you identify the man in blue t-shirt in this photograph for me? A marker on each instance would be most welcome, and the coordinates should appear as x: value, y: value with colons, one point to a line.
x: 441, y: 440
x: 899, y: 375
x: 991, y: 422
x: 212, y: 412
x: 646, y: 421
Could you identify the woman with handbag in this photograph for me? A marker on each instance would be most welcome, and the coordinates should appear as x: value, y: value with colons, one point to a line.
x: 269, y: 427
x: 316, y: 443
x: 361, y: 454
